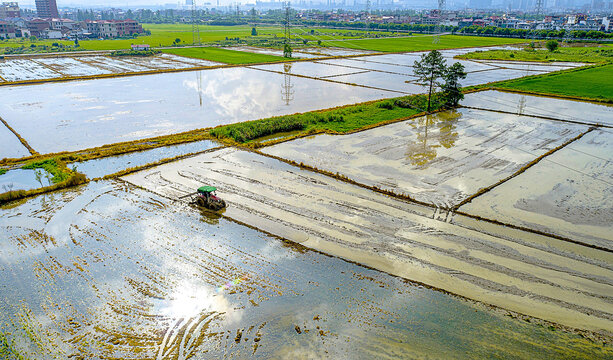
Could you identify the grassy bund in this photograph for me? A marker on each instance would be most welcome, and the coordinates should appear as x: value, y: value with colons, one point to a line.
x: 224, y: 56
x: 588, y: 83
x: 421, y: 43
x: 568, y: 54
x: 340, y: 120
x: 594, y: 84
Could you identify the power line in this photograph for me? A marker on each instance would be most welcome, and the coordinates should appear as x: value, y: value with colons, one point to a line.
x: 195, y: 26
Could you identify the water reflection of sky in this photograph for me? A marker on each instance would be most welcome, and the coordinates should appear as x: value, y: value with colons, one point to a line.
x: 137, y: 277
x: 10, y: 146
x: 101, y: 167
x: 541, y: 106
x: 91, y: 113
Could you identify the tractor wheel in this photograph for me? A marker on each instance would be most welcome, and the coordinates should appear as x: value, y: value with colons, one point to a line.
x: 200, y: 201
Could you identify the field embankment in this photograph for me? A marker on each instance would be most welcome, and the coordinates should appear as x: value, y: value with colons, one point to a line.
x: 225, y: 56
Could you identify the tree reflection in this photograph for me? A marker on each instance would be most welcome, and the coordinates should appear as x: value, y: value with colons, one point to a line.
x: 433, y: 131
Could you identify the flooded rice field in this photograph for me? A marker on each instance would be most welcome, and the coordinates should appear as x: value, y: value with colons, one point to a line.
x: 275, y: 52
x: 530, y: 66
x: 22, y: 179
x: 569, y: 193
x: 439, y: 159
x: 62, y: 66
x: 99, y: 168
x: 90, y: 113
x: 20, y: 69
x: 534, y: 275
x: 311, y: 69
x: 562, y: 109
x: 110, y: 271
x: 10, y: 146
x: 380, y: 80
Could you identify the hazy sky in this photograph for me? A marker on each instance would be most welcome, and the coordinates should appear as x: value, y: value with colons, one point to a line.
x: 88, y: 3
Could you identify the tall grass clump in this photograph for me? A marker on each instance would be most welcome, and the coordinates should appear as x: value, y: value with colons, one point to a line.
x: 259, y: 128
x: 3, y: 171
x: 53, y: 166
x: 337, y: 120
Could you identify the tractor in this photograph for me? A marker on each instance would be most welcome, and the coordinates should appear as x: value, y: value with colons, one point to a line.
x: 206, y: 198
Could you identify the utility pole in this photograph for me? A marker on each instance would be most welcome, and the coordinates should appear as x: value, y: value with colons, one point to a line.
x: 439, y: 25
x: 287, y: 49
x: 540, y: 4
x: 195, y: 26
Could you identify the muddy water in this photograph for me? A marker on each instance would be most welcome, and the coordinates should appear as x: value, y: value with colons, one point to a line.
x: 101, y: 167
x: 534, y: 275
x: 109, y: 271
x: 439, y: 159
x: 580, y: 111
x: 84, y: 114
x: 570, y: 193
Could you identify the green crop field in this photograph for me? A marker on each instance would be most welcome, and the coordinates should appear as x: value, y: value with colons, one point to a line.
x: 420, y: 43
x: 164, y: 35
x: 574, y: 54
x: 224, y: 56
x: 590, y: 83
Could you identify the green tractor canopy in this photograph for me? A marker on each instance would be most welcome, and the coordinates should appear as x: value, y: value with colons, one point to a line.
x: 207, y: 189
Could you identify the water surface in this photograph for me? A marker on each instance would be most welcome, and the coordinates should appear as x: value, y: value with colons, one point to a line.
x: 111, y: 271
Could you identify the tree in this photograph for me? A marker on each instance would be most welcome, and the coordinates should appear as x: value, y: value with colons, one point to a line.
x: 429, y: 70
x: 452, y: 92
x: 287, y: 51
x: 254, y: 31
x: 552, y: 45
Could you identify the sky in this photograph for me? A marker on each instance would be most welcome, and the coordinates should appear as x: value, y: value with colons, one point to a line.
x: 106, y: 3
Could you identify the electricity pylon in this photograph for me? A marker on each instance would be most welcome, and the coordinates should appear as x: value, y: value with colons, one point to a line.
x: 195, y: 26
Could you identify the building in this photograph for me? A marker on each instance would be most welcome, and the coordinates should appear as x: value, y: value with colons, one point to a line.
x: 47, y: 9
x: 113, y: 28
x: 37, y: 27
x: 9, y: 10
x: 141, y: 47
x: 7, y: 30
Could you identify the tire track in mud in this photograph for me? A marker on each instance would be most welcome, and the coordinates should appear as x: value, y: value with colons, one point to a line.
x: 387, y: 234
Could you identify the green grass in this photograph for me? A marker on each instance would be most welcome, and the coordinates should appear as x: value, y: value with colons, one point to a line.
x: 163, y: 35
x: 339, y: 120
x: 3, y: 171
x: 573, y: 54
x: 419, y: 43
x: 591, y: 83
x: 224, y: 56
x: 54, y: 167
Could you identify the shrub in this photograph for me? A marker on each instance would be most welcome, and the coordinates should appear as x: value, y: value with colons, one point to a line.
x: 552, y: 45
x: 386, y: 105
